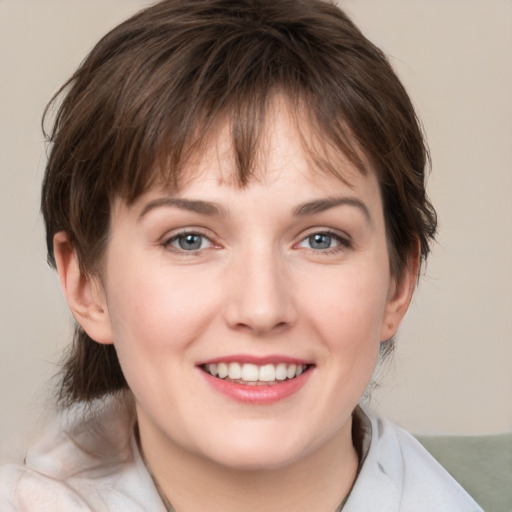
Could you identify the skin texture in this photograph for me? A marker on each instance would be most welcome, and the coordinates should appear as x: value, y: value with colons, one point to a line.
x: 257, y: 286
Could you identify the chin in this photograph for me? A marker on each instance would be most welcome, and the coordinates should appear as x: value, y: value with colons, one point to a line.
x: 254, y: 461
x: 246, y: 453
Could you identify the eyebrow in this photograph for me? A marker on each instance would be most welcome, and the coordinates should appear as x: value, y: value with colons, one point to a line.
x: 201, y: 207
x: 320, y: 205
x: 214, y: 209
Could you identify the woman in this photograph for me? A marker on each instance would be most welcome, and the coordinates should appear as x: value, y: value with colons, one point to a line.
x: 235, y: 205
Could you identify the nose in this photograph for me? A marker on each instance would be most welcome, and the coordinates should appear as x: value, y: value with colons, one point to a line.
x: 261, y: 297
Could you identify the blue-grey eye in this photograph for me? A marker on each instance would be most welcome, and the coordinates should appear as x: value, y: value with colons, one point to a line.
x: 190, y: 242
x: 320, y: 241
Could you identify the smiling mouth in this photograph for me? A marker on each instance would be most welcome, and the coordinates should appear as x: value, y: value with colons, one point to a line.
x: 252, y: 374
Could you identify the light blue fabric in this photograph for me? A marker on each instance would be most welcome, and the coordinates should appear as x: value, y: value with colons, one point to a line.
x: 399, y: 475
x: 90, y: 462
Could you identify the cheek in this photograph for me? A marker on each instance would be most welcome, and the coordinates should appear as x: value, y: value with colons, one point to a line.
x: 349, y: 304
x: 155, y: 321
x: 347, y: 316
x: 157, y: 310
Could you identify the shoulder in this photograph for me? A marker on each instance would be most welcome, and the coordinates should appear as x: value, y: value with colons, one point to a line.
x: 25, y: 490
x: 85, y: 461
x: 398, y: 474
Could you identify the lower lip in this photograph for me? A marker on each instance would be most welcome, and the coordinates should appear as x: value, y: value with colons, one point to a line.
x: 258, y: 394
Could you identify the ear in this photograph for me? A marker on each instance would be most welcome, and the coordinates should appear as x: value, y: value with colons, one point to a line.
x: 400, y: 295
x: 84, y: 293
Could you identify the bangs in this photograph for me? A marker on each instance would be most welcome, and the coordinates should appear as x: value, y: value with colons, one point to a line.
x: 155, y: 134
x: 154, y: 91
x: 246, y: 125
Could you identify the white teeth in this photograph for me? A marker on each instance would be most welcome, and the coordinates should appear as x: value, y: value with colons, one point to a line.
x: 223, y: 370
x: 253, y: 373
x: 267, y: 373
x: 290, y: 372
x: 235, y: 371
x: 250, y: 372
x: 281, y: 371
x: 212, y: 369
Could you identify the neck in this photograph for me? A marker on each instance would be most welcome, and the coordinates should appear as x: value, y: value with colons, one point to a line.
x: 319, y: 481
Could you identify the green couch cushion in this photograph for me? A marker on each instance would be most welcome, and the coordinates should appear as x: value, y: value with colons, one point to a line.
x: 481, y: 464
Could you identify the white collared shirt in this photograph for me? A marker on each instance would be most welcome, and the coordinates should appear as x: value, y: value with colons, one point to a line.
x: 90, y: 462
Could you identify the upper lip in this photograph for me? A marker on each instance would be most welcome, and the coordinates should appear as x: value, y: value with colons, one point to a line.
x: 257, y: 360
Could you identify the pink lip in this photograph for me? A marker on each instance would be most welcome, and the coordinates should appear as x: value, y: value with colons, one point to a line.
x: 258, y: 394
x: 258, y: 360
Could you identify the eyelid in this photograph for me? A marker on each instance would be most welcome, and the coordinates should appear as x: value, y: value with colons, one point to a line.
x: 325, y: 231
x: 169, y: 237
x: 343, y: 239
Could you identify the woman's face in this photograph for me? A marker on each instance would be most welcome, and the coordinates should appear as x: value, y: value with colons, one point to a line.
x: 283, y: 285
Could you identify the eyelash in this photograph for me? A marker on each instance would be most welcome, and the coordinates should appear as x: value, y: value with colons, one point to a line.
x: 167, y: 244
x: 342, y: 243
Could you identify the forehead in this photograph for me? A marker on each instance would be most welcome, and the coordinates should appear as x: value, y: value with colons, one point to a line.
x: 292, y: 166
x: 288, y: 141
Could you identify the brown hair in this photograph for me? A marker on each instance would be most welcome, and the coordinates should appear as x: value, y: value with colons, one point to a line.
x: 150, y: 91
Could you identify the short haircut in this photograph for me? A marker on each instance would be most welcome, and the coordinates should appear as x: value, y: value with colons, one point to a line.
x: 151, y: 91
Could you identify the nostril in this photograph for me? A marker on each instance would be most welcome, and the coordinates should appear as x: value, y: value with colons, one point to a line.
x: 261, y: 302
x: 258, y: 328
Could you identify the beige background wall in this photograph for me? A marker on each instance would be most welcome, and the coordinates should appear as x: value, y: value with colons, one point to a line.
x: 452, y: 371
